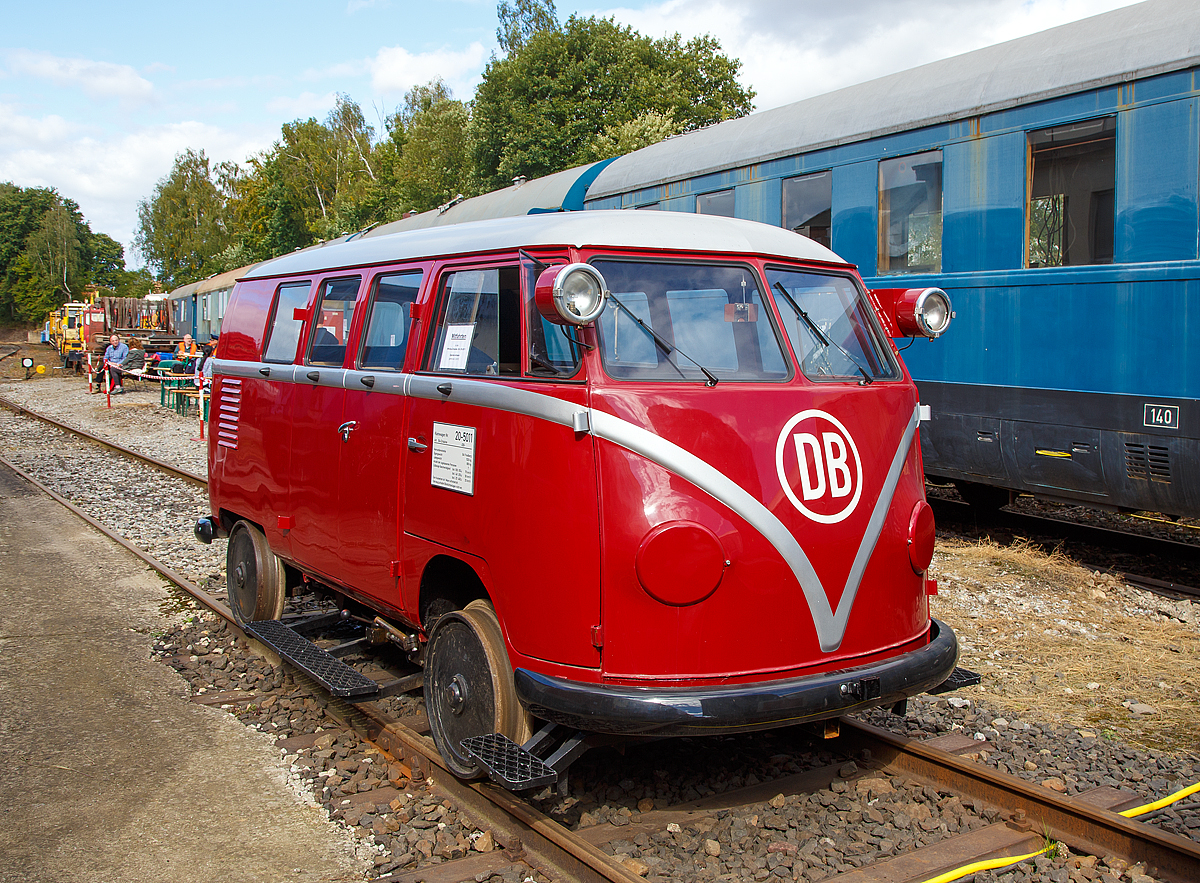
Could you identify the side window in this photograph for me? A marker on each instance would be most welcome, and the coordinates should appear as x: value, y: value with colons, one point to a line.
x: 910, y: 214
x: 284, y: 333
x: 1071, y: 186
x: 719, y: 203
x: 334, y: 318
x: 479, y: 323
x: 808, y: 206
x: 388, y: 322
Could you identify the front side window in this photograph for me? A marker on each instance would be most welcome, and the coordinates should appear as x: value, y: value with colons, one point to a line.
x: 479, y: 323
x: 687, y: 322
x: 334, y: 317
x: 285, y: 327
x: 830, y: 326
x: 808, y: 206
x: 910, y: 214
x: 389, y: 322
x: 1071, y: 187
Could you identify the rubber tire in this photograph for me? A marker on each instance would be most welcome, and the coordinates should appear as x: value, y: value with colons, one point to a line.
x: 254, y: 577
x: 466, y: 656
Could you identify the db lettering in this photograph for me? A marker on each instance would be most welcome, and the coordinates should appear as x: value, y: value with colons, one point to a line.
x: 818, y: 466
x: 820, y: 459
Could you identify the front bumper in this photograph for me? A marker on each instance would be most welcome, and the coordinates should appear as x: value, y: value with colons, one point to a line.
x: 693, y: 711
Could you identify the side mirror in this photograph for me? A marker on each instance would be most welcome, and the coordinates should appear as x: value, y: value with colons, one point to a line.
x: 574, y: 294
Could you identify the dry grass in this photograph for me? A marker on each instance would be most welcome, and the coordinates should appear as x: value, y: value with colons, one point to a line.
x: 1057, y: 643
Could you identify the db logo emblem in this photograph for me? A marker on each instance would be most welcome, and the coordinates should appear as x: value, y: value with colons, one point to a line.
x: 816, y: 458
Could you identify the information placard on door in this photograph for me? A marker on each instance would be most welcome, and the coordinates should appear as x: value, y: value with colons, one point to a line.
x: 453, y: 465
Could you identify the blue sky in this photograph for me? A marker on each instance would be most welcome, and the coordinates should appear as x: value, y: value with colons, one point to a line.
x: 97, y: 99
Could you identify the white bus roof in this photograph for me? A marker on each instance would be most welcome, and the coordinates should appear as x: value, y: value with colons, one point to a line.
x: 667, y: 231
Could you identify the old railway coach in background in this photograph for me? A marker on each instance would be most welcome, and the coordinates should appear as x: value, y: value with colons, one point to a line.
x: 664, y: 468
x: 1049, y: 185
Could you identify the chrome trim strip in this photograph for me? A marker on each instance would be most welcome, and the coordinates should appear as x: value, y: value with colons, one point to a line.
x: 830, y: 625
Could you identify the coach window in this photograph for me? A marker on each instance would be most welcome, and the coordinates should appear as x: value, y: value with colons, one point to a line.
x: 1071, y: 185
x: 479, y: 323
x: 285, y: 327
x: 553, y: 349
x: 388, y: 321
x: 808, y: 206
x: 719, y: 203
x: 910, y: 214
x: 334, y: 316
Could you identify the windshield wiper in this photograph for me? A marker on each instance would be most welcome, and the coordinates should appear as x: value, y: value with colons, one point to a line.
x: 664, y: 346
x: 821, y: 336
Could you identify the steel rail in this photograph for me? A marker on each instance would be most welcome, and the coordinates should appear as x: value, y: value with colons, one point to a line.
x: 1083, y: 827
x: 200, y: 480
x: 526, y: 831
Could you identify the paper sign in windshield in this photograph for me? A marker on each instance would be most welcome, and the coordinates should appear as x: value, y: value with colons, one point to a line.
x: 453, y: 466
x: 456, y: 347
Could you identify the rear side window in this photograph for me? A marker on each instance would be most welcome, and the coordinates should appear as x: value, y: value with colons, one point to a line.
x: 388, y: 323
x: 285, y: 327
x: 335, y: 316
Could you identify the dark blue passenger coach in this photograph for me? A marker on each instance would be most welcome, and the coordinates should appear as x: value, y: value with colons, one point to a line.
x: 1049, y: 185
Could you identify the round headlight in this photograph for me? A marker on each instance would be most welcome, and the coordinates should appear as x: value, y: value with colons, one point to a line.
x: 574, y: 294
x: 924, y: 311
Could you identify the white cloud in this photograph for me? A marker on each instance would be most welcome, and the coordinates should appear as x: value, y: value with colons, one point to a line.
x: 108, y: 174
x: 794, y: 50
x: 395, y: 70
x: 98, y: 79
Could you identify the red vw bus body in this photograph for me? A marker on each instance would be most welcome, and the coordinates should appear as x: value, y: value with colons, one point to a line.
x: 701, y: 512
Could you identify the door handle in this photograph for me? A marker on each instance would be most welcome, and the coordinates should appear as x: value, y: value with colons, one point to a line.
x: 416, y: 446
x: 346, y: 428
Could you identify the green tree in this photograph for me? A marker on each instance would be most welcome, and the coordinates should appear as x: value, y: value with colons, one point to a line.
x: 541, y: 108
x: 185, y: 224
x: 435, y: 165
x: 522, y: 19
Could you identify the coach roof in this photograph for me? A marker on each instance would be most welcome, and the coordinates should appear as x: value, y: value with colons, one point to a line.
x: 666, y: 231
x: 1115, y: 47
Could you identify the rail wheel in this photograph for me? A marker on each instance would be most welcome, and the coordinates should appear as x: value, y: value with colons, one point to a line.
x: 254, y: 577
x: 469, y: 685
x: 983, y: 498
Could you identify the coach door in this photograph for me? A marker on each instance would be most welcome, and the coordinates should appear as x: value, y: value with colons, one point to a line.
x: 494, y: 477
x: 372, y: 442
x: 317, y: 404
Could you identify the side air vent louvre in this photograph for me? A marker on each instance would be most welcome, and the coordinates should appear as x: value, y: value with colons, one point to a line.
x: 229, y: 406
x: 1148, y: 462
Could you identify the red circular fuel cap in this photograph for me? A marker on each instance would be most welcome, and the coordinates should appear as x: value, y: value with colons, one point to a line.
x: 920, y: 537
x: 680, y: 562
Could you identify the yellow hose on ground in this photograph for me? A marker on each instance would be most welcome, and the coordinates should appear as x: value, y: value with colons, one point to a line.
x: 988, y: 865
x: 1159, y: 804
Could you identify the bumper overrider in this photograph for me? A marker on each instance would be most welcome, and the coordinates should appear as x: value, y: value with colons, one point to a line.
x: 693, y: 711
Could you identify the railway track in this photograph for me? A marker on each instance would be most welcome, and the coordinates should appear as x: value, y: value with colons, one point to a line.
x: 1096, y: 547
x: 1014, y: 816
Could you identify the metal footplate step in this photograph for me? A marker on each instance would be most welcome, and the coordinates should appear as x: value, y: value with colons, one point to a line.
x: 333, y: 674
x: 507, y: 763
x: 959, y: 678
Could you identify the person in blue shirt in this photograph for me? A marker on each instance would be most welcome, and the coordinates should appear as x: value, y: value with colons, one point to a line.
x: 114, y: 356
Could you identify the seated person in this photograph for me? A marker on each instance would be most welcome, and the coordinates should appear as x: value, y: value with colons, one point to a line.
x: 187, y: 349
x: 135, y: 362
x: 115, y: 355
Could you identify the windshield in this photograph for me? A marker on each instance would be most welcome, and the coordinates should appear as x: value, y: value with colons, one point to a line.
x: 709, y: 322
x: 829, y: 324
